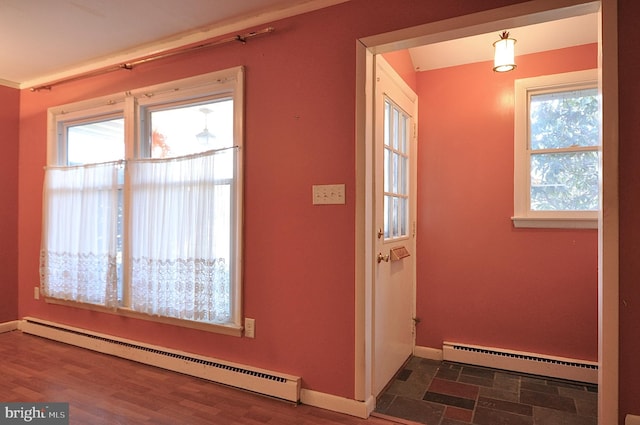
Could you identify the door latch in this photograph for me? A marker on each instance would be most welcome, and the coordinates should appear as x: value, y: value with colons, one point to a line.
x: 382, y: 258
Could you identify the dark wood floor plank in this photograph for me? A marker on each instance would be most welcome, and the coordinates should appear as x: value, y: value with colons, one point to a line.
x: 103, y: 389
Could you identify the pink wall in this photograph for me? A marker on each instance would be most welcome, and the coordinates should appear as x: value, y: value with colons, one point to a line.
x: 9, y: 118
x: 300, y: 131
x: 629, y: 192
x: 402, y: 63
x: 480, y: 280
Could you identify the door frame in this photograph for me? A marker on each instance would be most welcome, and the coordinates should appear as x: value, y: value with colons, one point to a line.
x: 494, y: 20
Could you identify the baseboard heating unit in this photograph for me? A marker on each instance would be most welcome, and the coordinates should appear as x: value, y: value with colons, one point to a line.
x: 265, y: 382
x: 517, y: 361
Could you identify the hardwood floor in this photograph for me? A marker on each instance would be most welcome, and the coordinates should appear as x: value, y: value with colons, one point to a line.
x: 103, y: 389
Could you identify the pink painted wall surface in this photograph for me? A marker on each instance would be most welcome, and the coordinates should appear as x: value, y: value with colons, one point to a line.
x: 300, y: 131
x: 9, y: 118
x: 480, y: 280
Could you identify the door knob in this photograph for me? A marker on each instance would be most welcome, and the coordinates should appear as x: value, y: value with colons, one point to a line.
x: 382, y: 258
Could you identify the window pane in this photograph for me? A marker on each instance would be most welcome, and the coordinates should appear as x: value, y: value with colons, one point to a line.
x: 396, y: 171
x: 182, y: 131
x: 386, y: 216
x: 387, y: 127
x: 387, y: 154
x: 404, y: 176
x: 395, y: 132
x: 95, y: 142
x: 565, y: 181
x: 565, y: 119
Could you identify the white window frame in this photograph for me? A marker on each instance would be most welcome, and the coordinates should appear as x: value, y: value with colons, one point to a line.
x: 132, y: 105
x: 523, y: 215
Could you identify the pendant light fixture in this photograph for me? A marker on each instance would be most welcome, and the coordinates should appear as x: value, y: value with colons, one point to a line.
x: 205, y: 136
x: 504, y: 53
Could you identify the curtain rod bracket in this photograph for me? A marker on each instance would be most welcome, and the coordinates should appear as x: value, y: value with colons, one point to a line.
x: 40, y: 88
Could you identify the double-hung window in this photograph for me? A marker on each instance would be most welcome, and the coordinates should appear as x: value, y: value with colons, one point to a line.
x: 143, y: 203
x: 557, y: 151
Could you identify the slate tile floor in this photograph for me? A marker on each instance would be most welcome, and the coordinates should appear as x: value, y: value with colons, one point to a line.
x: 442, y: 393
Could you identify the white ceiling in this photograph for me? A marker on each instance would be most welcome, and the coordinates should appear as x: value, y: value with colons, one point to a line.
x: 46, y: 40
x: 558, y: 34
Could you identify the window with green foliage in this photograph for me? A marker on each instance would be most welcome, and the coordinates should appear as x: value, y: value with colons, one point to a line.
x: 557, y: 151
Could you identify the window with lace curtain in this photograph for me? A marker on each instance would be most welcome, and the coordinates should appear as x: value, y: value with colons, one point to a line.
x: 142, y: 202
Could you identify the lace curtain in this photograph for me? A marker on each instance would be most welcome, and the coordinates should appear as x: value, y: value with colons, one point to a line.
x: 179, y: 232
x: 79, y: 245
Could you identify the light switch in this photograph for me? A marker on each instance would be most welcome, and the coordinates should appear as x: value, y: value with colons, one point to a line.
x: 325, y: 194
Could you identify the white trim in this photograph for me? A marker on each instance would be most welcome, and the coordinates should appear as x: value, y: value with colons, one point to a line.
x: 196, y: 36
x: 632, y: 420
x: 428, y: 353
x: 364, y: 224
x: 9, y: 326
x: 360, y: 409
x: 487, y: 21
x: 608, y: 243
x: 10, y: 84
x: 555, y: 223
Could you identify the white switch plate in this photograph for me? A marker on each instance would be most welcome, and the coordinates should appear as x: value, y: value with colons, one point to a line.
x: 325, y: 194
x: 249, y: 327
x: 36, y: 292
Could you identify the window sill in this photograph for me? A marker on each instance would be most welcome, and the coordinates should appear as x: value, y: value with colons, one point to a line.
x: 232, y: 330
x: 554, y: 223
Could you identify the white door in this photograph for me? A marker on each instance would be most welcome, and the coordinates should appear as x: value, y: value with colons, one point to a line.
x: 395, y: 112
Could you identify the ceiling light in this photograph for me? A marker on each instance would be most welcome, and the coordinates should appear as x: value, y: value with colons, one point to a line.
x: 503, y: 60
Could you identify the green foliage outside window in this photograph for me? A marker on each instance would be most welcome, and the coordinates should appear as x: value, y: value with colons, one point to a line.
x: 564, y: 143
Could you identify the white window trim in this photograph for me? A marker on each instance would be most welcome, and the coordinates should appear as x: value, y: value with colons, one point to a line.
x: 129, y: 104
x: 523, y: 215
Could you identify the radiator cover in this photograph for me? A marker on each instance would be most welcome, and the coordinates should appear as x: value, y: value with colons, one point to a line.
x: 518, y: 361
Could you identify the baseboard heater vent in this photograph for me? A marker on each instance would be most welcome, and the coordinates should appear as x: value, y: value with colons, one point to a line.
x: 265, y: 382
x: 517, y: 361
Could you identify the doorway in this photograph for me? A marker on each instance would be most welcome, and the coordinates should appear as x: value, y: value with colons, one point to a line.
x: 474, y: 24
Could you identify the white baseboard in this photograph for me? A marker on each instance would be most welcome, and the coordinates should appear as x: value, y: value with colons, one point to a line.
x: 632, y: 420
x: 360, y: 409
x: 9, y: 326
x: 428, y: 353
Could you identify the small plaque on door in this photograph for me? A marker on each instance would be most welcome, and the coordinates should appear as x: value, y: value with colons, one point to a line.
x: 399, y: 253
